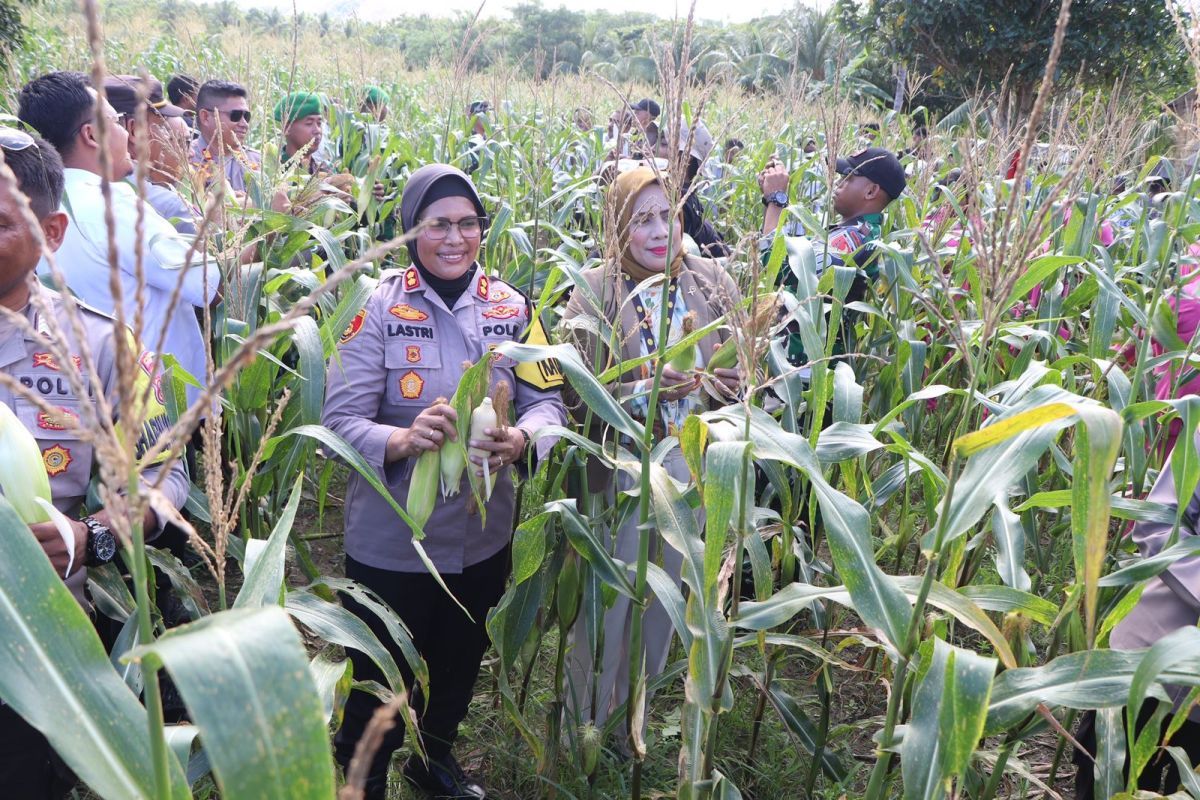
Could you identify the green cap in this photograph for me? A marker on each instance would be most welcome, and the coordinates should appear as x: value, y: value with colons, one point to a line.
x: 298, y: 105
x: 374, y: 96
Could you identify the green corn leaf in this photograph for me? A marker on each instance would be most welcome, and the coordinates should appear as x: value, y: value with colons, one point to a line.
x: 54, y: 668
x: 244, y: 676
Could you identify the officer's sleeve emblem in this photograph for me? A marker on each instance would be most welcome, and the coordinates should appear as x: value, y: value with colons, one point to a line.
x: 544, y: 374
x: 355, y: 326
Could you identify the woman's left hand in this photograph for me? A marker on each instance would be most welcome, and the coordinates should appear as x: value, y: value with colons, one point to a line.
x: 729, y: 379
x: 504, y: 446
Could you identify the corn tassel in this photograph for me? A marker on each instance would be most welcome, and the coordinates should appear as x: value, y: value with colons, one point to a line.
x: 23, y: 477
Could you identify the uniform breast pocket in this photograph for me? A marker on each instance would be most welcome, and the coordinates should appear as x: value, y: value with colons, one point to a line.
x: 414, y: 373
x: 500, y: 361
x: 67, y: 459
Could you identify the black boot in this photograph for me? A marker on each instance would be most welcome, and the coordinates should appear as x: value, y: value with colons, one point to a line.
x: 443, y: 778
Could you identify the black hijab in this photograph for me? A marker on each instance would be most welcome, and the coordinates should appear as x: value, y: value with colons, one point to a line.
x: 426, y: 186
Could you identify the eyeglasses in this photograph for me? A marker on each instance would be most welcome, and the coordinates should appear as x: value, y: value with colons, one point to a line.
x: 438, y: 228
x: 237, y: 115
x: 15, y: 140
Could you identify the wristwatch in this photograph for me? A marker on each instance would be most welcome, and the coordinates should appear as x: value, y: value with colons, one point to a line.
x: 776, y: 198
x: 525, y: 435
x: 101, y: 544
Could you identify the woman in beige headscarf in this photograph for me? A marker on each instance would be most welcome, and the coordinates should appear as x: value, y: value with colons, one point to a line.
x: 621, y: 295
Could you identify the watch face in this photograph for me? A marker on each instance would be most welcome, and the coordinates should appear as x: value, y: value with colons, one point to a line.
x: 104, y: 546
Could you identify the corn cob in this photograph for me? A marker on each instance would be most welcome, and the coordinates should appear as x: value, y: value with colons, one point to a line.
x: 685, y: 361
x: 454, y: 454
x: 482, y: 418
x: 422, y: 486
x: 725, y: 356
x: 23, y: 476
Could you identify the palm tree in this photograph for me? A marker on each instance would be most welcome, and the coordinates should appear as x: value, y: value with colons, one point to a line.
x: 814, y: 40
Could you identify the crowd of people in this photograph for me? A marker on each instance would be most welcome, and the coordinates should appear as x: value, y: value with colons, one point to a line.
x: 437, y: 310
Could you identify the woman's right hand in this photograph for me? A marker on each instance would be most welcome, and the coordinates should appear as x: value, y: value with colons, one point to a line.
x: 677, y: 385
x: 432, y: 428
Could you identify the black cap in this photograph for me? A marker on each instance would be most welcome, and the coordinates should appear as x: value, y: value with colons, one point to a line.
x: 122, y: 92
x: 878, y: 166
x: 479, y: 107
x: 646, y: 104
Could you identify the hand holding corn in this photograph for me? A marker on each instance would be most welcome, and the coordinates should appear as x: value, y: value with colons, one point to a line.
x: 432, y: 428
x: 729, y: 379
x: 503, y: 446
x: 677, y: 385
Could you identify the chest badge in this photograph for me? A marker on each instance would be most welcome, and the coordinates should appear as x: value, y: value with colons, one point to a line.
x: 412, y: 352
x: 406, y: 312
x: 411, y: 385
x: 501, y: 312
x: 499, y: 296
x: 56, y: 459
x: 47, y: 360
x: 55, y: 422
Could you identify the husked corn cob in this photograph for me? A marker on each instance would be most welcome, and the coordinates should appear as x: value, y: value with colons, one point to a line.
x: 23, y: 476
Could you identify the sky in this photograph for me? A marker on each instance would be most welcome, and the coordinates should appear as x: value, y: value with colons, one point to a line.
x: 379, y: 10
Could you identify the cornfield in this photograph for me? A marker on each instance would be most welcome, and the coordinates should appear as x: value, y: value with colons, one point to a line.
x: 912, y: 557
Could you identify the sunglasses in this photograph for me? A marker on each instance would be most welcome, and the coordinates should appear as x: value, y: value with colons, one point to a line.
x: 237, y: 115
x: 15, y: 140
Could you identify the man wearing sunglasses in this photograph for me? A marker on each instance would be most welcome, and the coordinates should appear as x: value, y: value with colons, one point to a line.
x: 63, y: 107
x: 26, y: 768
x: 223, y: 119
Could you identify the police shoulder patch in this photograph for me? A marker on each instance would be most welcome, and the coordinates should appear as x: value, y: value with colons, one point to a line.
x: 355, y: 326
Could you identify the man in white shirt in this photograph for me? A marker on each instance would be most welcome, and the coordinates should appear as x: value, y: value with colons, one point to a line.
x: 63, y: 108
x: 165, y: 139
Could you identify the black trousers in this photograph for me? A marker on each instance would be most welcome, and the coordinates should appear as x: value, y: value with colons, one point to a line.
x: 1160, y: 775
x: 451, y: 644
x: 29, y: 768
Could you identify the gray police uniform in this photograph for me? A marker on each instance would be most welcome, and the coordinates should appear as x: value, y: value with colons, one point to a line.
x: 239, y: 168
x: 1172, y: 599
x: 69, y: 460
x: 404, y: 350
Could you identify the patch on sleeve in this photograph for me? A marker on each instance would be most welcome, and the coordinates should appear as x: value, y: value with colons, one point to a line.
x: 844, y: 242
x: 354, y: 327
x: 544, y: 374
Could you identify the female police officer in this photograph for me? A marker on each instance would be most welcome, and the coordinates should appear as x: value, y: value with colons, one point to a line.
x: 403, y: 350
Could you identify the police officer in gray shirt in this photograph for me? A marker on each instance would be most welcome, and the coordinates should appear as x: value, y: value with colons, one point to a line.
x: 403, y: 352
x: 1168, y: 602
x: 26, y: 769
